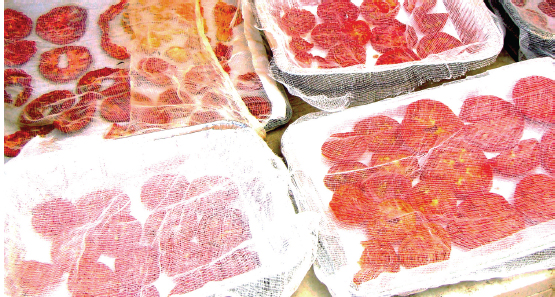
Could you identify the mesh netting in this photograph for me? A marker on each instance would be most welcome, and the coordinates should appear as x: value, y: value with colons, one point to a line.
x: 155, y: 217
x: 536, y: 22
x: 448, y: 184
x: 113, y: 69
x: 335, y: 54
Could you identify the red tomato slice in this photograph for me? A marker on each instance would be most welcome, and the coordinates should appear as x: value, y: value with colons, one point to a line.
x: 139, y: 267
x: 485, y: 107
x: 36, y: 278
x: 535, y: 197
x: 376, y: 258
x: 347, y: 172
x: 349, y: 205
x: 396, y: 220
x: 223, y: 230
x: 465, y: 170
x: 379, y: 11
x: 391, y: 35
x: 358, y: 31
x: 425, y: 5
x: 337, y: 12
x: 163, y: 190
x: 397, y: 56
x: 62, y: 25
x: 349, y: 148
x: 477, y: 231
x: 326, y: 35
x: 348, y: 54
x: 16, y: 25
x: 380, y: 131
x: 519, y: 3
x: 92, y: 205
x: 382, y: 186
x: 547, y: 147
x: 427, y: 123
x: 91, y: 278
x: 429, y: 23
x: 400, y: 161
x: 436, y: 43
x: 519, y: 160
x: 299, y: 45
x: 429, y: 244
x: 19, y: 52
x: 13, y: 143
x: 534, y: 96
x: 494, y: 134
x: 54, y: 217
x: 297, y: 22
x: 484, y: 205
x: 435, y: 200
x: 547, y: 8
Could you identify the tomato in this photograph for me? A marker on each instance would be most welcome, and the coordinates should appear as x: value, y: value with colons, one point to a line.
x: 92, y: 205
x: 78, y: 116
x: 395, y: 220
x: 429, y: 23
x: 36, y: 278
x: 382, y: 186
x: 226, y: 16
x: 484, y: 205
x: 380, y: 132
x: 139, y: 266
x: 427, y: 123
x: 149, y: 291
x: 349, y: 148
x: 379, y: 11
x: 45, y: 109
x: 348, y: 172
x: 494, y: 134
x: 16, y: 25
x: 337, y: 12
x: 212, y: 191
x: 436, y: 201
x: 115, y: 235
x: 534, y: 96
x: 519, y: 3
x: 425, y: 246
x: 547, y: 147
x: 156, y: 71
x: 483, y: 107
x: 535, y: 197
x: 249, y: 81
x: 299, y: 45
x: 200, y: 78
x: 425, y: 5
x: 204, y: 117
x: 297, y: 22
x: 397, y: 56
x: 436, y: 43
x: 20, y: 78
x: 348, y: 54
x: 547, y: 8
x: 163, y: 190
x: 521, y: 159
x: 392, y: 35
x: 13, y: 143
x: 54, y: 217
x: 91, y: 278
x: 259, y: 107
x: 62, y: 25
x: 223, y: 230
x: 377, y: 257
x: 465, y: 170
x: 19, y: 52
x: 400, y: 161
x: 79, y: 59
x: 349, y: 205
x: 113, y: 50
x: 95, y: 81
x: 326, y: 35
x: 358, y: 31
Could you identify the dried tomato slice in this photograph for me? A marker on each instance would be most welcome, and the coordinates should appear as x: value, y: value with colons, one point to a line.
x: 427, y: 123
x: 465, y: 170
x: 204, y: 117
x: 400, y: 161
x: 37, y: 278
x: 55, y: 216
x: 249, y: 81
x: 477, y: 108
x: 138, y: 267
x: 326, y: 35
x: 115, y: 51
x: 379, y: 11
x: 380, y: 132
x: 519, y: 160
x: 163, y: 190
x: 19, y: 52
x: 436, y: 43
x: 396, y: 220
x: 16, y: 25
x: 91, y: 278
x: 535, y: 198
x: 115, y: 235
x: 547, y: 8
x: 46, y: 108
x: 519, y: 3
x: 78, y: 116
x: 427, y: 245
x: 79, y: 59
x: 382, y: 186
x: 299, y: 45
x: 425, y: 5
x: 429, y: 23
x: 201, y: 77
x: 494, y: 134
x: 391, y: 35
x: 14, y: 142
x: 397, y: 56
x: 213, y: 191
x: 259, y: 107
x: 359, y: 31
x: 347, y: 172
x: 349, y: 148
x: 17, y: 77
x: 348, y: 54
x: 435, y: 200
x: 534, y: 96
x: 226, y: 17
x: 223, y: 230
x: 350, y: 206
x: 62, y: 25
x: 95, y: 81
x: 547, y: 147
x: 116, y: 109
x: 92, y: 205
x: 297, y: 22
x: 377, y: 257
x: 156, y: 71
x: 337, y: 12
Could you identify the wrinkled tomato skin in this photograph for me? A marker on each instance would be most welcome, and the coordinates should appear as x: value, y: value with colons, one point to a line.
x: 423, y: 248
x: 19, y: 52
x: 348, y: 172
x: 348, y: 54
x: 547, y: 148
x: 519, y: 160
x: 392, y: 35
x: 436, y: 43
x: 338, y: 149
x: 534, y: 96
x: 483, y: 107
x: 399, y: 160
x: 397, y: 56
x: 16, y: 25
x: 337, y: 12
x: 62, y: 25
x: 379, y: 11
x: 435, y: 200
x: 494, y: 135
x: 297, y: 22
x: 382, y: 186
x: 350, y: 206
x: 380, y: 132
x: 535, y: 197
x: 377, y: 257
x: 326, y: 35
x: 429, y: 23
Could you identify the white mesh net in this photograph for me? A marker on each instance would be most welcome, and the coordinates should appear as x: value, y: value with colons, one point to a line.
x: 111, y: 69
x: 335, y: 54
x: 155, y: 217
x: 448, y: 184
x: 535, y: 20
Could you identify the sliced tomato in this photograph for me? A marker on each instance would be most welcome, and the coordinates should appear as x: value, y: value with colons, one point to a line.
x: 519, y: 160
x: 348, y: 172
x: 425, y: 5
x: 548, y: 8
x: 297, y: 22
x: 379, y: 11
x: 91, y: 278
x: 359, y: 31
x: 36, y: 278
x: 436, y: 43
x: 494, y: 134
x: 54, y: 217
x: 380, y: 131
x: 377, y: 257
x: 163, y: 190
x: 348, y: 54
x: 326, y: 35
x: 139, y: 267
x: 547, y: 147
x: 299, y: 45
x: 397, y: 56
x: 391, y: 35
x: 535, y: 197
x: 19, y: 52
x: 429, y: 23
x: 427, y: 245
x: 400, y: 161
x: 337, y: 12
x: 436, y: 201
x: 16, y: 25
x: 349, y: 148
x: 483, y: 107
x: 349, y: 205
x: 382, y: 186
x: 396, y: 219
x: 534, y: 96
